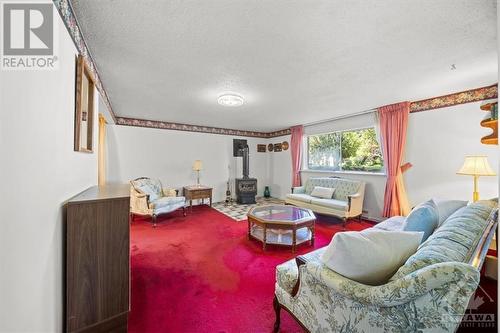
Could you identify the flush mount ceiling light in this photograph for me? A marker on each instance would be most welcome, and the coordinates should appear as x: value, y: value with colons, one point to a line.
x: 230, y: 99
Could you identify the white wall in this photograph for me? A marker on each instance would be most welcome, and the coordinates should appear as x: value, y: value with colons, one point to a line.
x: 39, y: 172
x: 169, y: 155
x: 436, y: 146
x: 280, y: 169
x: 437, y: 143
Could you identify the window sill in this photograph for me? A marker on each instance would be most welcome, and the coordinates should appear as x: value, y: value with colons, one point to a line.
x: 363, y: 173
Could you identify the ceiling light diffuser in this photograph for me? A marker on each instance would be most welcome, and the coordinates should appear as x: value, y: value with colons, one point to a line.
x: 230, y: 99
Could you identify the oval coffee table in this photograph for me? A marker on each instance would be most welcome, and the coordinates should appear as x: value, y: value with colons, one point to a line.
x: 281, y: 225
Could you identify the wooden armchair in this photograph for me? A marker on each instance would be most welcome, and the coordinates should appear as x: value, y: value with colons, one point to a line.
x: 149, y: 198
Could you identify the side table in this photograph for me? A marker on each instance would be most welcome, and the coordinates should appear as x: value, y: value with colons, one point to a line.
x: 194, y: 192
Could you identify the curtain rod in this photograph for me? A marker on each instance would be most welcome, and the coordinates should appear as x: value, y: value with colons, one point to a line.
x: 340, y: 117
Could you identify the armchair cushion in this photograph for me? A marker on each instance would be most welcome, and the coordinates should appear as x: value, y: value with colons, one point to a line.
x: 167, y: 201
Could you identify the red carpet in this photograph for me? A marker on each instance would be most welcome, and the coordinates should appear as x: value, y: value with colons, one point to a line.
x: 202, y: 274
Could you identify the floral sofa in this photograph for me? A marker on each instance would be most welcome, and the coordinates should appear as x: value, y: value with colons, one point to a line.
x: 347, y: 199
x: 429, y: 293
x: 149, y: 198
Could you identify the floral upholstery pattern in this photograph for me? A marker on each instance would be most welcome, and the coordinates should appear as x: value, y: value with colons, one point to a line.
x: 428, y: 294
x: 151, y: 187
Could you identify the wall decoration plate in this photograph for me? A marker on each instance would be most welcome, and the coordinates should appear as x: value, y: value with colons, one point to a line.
x: 270, y: 147
x: 261, y: 148
x: 285, y: 145
x: 277, y: 147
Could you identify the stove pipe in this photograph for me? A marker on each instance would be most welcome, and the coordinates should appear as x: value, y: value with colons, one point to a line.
x: 246, y: 164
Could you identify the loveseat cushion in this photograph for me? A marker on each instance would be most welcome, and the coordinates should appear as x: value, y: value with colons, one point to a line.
x: 323, y: 192
x: 299, y: 197
x: 330, y: 203
x: 455, y: 240
x: 287, y: 273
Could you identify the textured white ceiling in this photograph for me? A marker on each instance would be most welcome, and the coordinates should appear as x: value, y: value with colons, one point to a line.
x: 294, y: 61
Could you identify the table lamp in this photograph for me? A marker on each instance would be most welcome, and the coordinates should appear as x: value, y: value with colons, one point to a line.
x: 197, y: 166
x: 476, y: 166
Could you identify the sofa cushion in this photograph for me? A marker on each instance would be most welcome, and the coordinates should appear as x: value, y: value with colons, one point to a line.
x: 454, y: 240
x: 424, y: 217
x: 322, y: 192
x: 370, y: 256
x: 300, y: 197
x: 448, y: 207
x: 330, y: 203
x: 395, y: 223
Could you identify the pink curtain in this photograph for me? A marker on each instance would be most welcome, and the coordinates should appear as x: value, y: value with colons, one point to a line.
x: 393, y: 124
x: 296, y: 150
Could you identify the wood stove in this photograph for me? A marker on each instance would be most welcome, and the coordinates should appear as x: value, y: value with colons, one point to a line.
x: 246, y: 187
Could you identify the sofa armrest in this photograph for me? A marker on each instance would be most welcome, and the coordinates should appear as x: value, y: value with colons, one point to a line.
x: 299, y: 190
x: 170, y: 192
x: 300, y: 260
x: 355, y: 202
x: 446, y: 275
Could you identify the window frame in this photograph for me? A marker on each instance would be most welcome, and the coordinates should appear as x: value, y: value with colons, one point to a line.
x: 309, y: 169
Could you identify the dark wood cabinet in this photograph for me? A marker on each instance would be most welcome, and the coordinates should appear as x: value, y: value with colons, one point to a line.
x: 98, y: 260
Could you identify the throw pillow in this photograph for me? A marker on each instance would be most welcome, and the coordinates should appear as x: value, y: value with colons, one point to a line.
x: 370, y: 256
x: 448, y: 207
x: 322, y: 192
x: 424, y: 217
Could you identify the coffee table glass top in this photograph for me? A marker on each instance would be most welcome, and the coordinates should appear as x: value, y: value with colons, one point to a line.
x: 281, y: 213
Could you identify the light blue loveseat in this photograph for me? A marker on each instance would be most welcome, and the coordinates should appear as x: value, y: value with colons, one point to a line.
x: 347, y: 200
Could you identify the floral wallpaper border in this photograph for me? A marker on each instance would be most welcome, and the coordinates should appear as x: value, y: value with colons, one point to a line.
x: 69, y: 19
x: 66, y: 12
x: 195, y: 128
x: 468, y: 96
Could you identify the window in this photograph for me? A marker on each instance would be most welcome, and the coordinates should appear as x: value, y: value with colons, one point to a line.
x: 354, y: 150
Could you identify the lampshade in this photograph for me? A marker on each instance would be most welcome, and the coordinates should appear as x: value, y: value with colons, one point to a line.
x: 476, y: 166
x: 197, y: 165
